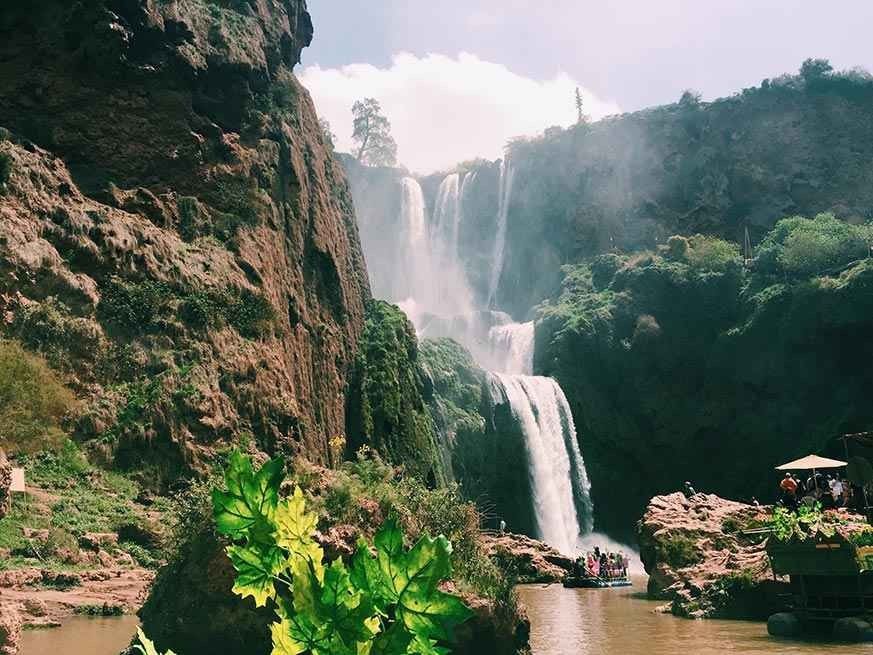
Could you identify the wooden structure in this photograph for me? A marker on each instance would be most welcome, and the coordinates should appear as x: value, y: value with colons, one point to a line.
x: 831, y: 577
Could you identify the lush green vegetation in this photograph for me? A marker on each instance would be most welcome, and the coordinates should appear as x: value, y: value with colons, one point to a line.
x: 806, y: 522
x: 33, y: 401
x: 678, y: 551
x: 5, y: 170
x: 150, y: 306
x: 383, y: 602
x: 350, y: 502
x: 687, y: 349
x: 386, y: 401
x: 75, y: 499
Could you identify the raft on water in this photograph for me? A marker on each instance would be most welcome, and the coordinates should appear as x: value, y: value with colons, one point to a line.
x: 585, y: 582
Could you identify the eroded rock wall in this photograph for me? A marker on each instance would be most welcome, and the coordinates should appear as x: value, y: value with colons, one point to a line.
x: 175, y: 235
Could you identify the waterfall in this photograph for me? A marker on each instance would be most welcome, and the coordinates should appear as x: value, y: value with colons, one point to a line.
x: 431, y: 286
x: 561, y: 498
x: 415, y: 270
x: 463, y: 207
x: 504, y: 193
x: 512, y: 346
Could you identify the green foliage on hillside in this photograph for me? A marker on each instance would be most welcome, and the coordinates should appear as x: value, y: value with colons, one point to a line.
x: 801, y: 247
x: 76, y: 498
x: 33, y: 401
x: 457, y: 386
x: 350, y: 502
x: 386, y: 400
x: 797, y: 144
x: 686, y: 350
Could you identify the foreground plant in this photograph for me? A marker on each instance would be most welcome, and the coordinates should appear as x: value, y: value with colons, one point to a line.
x: 386, y: 602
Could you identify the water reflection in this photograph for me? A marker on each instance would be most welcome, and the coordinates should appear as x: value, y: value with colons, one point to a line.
x: 621, y: 621
x: 81, y: 635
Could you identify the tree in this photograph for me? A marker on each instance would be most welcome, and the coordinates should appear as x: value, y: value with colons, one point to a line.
x: 580, y: 114
x: 327, y: 134
x: 372, y: 134
x: 689, y: 98
x: 814, y: 69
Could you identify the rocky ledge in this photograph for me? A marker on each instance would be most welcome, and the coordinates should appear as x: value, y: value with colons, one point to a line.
x: 699, y: 556
x: 528, y: 559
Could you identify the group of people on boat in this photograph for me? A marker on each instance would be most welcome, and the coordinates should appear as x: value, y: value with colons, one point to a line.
x: 831, y: 491
x: 601, y: 564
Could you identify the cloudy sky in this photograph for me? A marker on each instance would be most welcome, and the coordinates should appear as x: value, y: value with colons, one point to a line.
x: 457, y: 78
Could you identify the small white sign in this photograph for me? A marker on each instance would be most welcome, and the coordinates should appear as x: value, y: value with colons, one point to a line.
x: 17, y: 480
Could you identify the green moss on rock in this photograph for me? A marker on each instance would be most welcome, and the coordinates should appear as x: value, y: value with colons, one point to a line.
x: 386, y: 408
x: 688, y: 353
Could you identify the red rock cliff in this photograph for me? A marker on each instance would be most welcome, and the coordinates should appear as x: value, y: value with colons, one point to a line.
x: 174, y: 234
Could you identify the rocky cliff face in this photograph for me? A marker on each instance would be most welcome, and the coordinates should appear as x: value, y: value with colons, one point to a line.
x: 175, y: 235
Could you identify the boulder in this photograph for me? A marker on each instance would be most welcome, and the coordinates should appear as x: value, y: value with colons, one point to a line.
x: 853, y: 629
x: 697, y: 557
x: 784, y: 624
x: 531, y: 560
x: 10, y: 630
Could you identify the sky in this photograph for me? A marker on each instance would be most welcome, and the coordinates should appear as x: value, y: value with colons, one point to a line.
x: 458, y: 78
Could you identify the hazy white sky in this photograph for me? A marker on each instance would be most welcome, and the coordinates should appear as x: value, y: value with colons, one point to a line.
x: 459, y: 77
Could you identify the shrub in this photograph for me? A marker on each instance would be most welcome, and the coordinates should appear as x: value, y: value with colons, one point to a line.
x: 133, y: 306
x: 678, y: 551
x: 603, y: 268
x: 804, y: 247
x: 5, y: 169
x: 677, y: 248
x: 707, y: 253
x: 33, y: 401
x: 188, y: 214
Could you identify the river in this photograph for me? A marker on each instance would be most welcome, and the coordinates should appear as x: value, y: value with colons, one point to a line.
x: 81, y: 635
x: 563, y: 622
x: 622, y: 621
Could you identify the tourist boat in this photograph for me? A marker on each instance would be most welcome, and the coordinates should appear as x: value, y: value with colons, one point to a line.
x: 588, y: 582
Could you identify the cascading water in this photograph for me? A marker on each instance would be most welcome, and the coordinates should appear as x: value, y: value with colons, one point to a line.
x: 433, y: 290
x: 504, y: 193
x: 561, y: 499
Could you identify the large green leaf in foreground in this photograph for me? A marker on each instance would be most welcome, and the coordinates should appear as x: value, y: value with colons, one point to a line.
x: 387, y: 603
x: 246, y: 509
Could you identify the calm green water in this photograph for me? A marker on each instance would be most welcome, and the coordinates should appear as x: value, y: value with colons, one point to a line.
x: 81, y: 635
x: 621, y: 622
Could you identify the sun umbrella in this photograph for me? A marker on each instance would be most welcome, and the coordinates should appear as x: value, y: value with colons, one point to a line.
x: 811, y: 462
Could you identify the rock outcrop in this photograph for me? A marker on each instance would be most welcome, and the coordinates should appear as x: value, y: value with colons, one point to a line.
x: 10, y: 630
x: 528, y: 559
x: 174, y: 233
x: 697, y: 557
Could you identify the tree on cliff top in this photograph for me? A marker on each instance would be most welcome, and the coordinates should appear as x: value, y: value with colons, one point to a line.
x: 372, y: 134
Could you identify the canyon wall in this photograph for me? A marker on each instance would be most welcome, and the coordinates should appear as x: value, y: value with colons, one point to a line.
x: 176, y: 237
